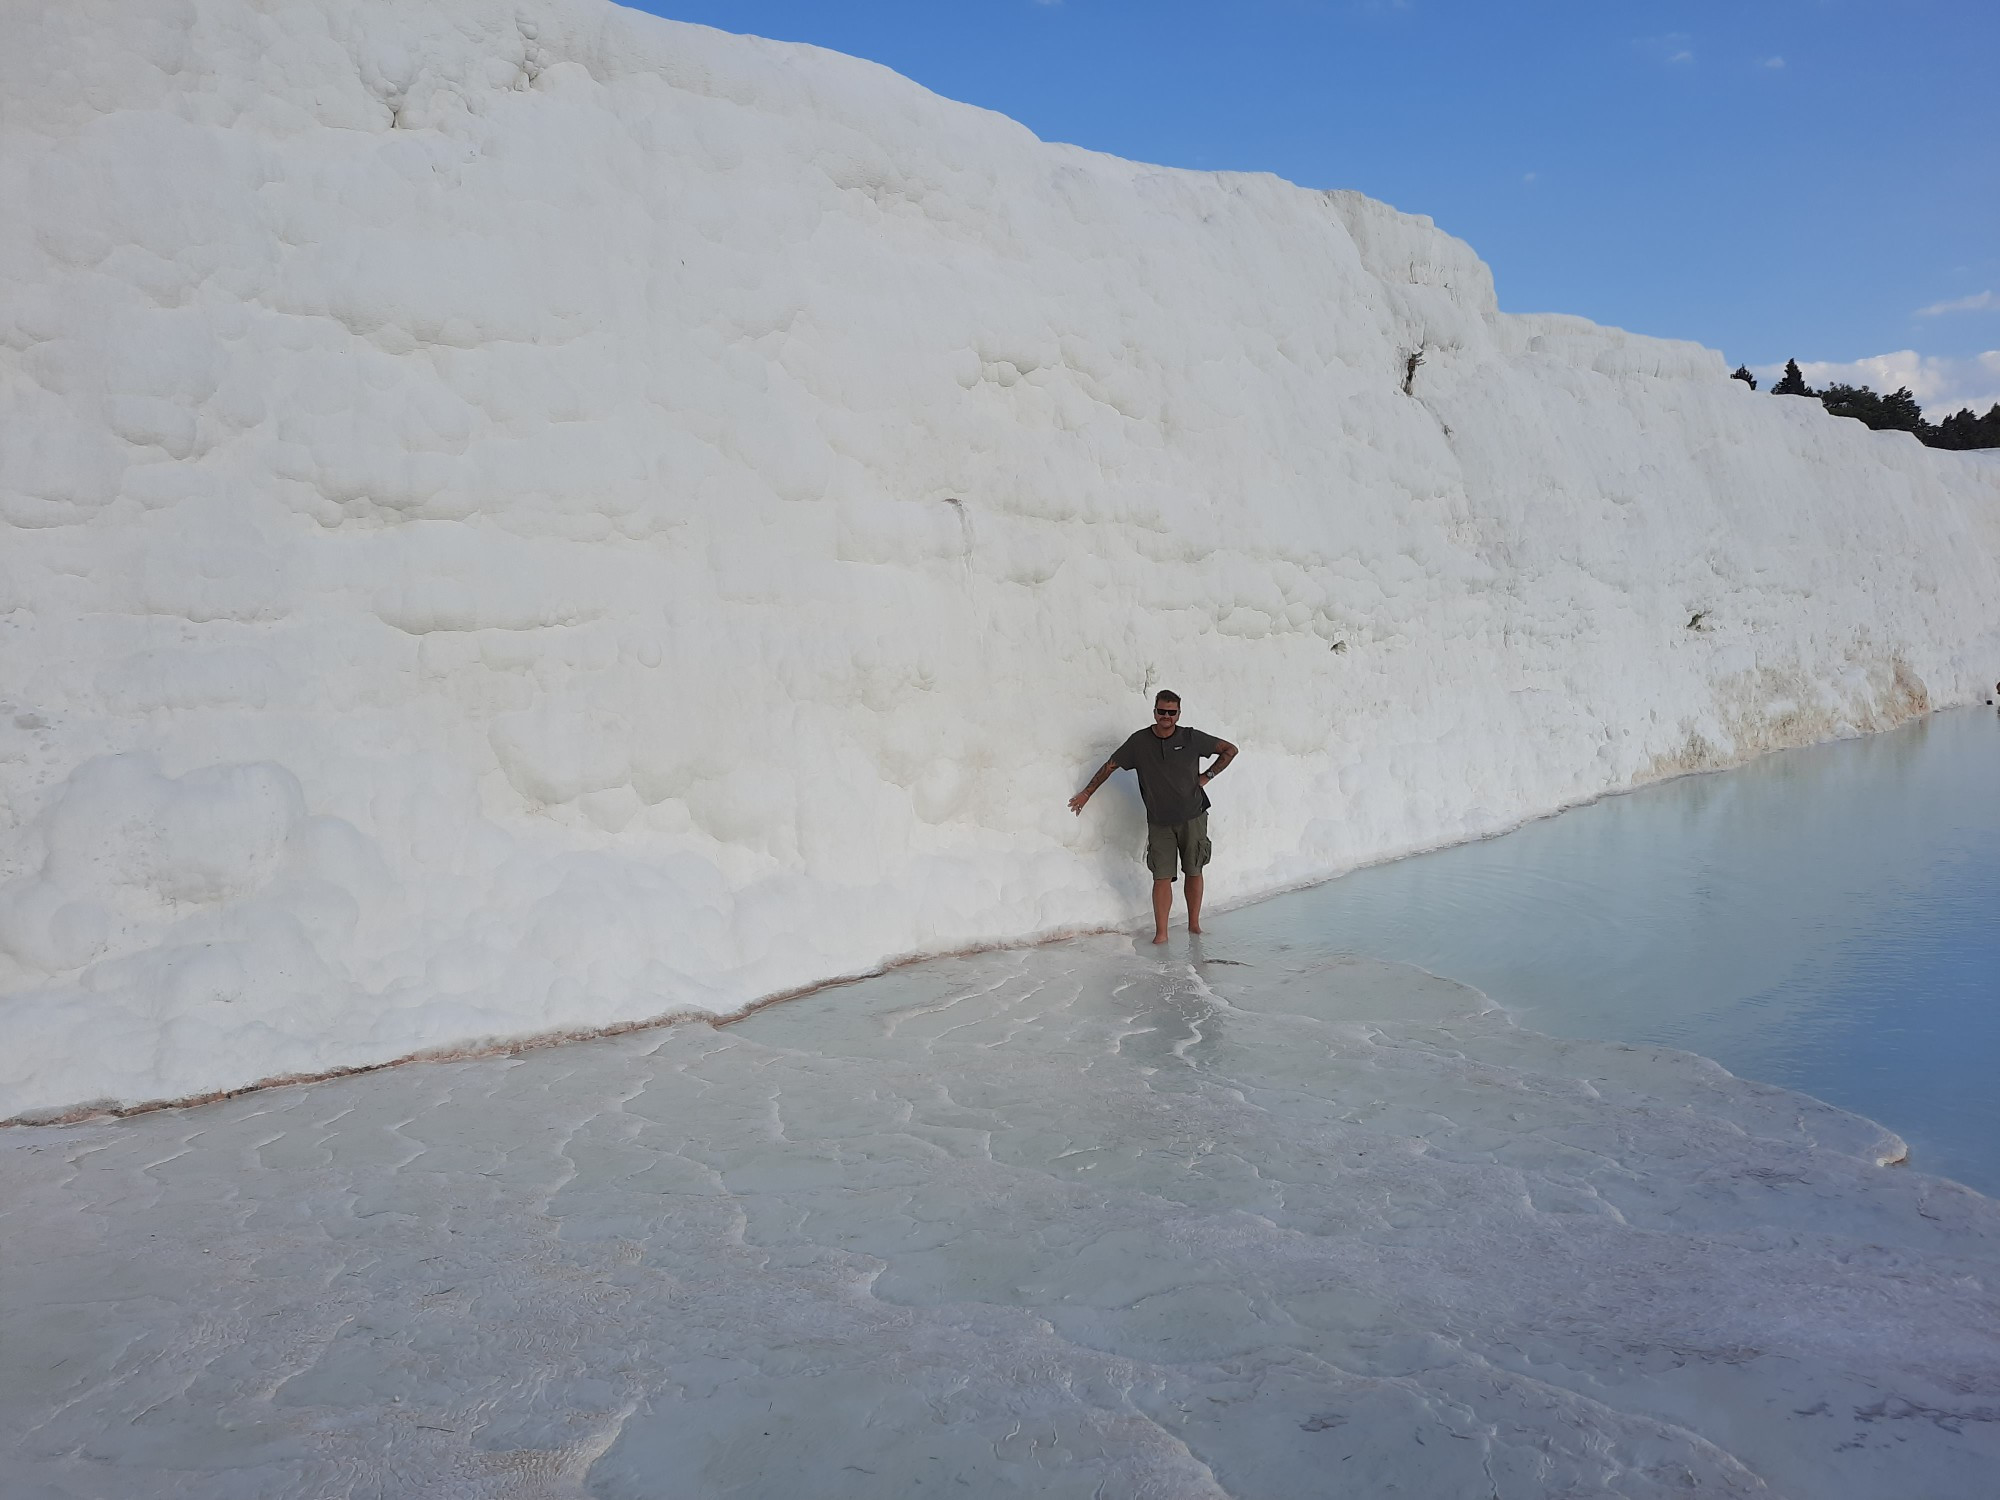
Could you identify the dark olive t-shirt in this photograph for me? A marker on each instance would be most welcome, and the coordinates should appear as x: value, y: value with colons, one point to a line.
x: 1169, y: 772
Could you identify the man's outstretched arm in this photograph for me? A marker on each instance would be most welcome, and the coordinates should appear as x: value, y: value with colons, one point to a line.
x: 1103, y: 775
x: 1225, y: 753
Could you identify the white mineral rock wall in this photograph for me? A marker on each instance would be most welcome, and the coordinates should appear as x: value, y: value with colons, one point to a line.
x: 519, y: 516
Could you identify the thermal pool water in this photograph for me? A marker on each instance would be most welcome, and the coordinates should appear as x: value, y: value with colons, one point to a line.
x: 1823, y: 918
x: 1080, y: 1220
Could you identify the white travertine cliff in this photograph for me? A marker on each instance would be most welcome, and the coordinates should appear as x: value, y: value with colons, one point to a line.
x: 526, y: 516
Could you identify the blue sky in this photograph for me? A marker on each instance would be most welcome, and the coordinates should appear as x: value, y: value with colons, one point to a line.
x: 1817, y: 179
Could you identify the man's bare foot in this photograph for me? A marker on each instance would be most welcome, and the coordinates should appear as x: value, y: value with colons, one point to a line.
x: 1195, y: 928
x: 1159, y: 937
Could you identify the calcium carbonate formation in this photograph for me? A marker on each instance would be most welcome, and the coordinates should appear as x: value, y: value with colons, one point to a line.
x: 525, y: 516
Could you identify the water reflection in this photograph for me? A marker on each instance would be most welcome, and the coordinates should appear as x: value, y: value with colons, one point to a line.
x: 1821, y: 919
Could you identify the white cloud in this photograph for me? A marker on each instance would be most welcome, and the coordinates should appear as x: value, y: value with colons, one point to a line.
x: 1774, y: 62
x: 1673, y: 47
x: 1529, y: 178
x: 1977, y: 302
x: 1941, y: 384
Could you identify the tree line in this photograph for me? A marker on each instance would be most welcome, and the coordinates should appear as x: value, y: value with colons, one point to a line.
x: 1896, y: 412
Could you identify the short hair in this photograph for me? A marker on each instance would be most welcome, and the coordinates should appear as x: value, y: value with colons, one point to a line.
x: 1165, y: 695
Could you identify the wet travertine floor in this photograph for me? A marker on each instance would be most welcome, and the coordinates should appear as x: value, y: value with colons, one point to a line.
x: 1077, y: 1221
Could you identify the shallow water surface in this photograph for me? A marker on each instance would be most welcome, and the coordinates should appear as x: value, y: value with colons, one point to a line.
x: 1827, y: 919
x: 1076, y: 1221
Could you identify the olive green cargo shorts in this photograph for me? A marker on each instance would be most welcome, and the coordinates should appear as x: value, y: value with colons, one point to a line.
x: 1186, y: 843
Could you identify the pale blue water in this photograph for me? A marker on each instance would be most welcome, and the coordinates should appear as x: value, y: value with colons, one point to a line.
x: 1822, y: 919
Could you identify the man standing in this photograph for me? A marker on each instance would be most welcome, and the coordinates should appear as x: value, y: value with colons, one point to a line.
x: 1168, y: 759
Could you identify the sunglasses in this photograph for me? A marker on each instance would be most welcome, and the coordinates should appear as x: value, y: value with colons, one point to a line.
x: 1166, y: 713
